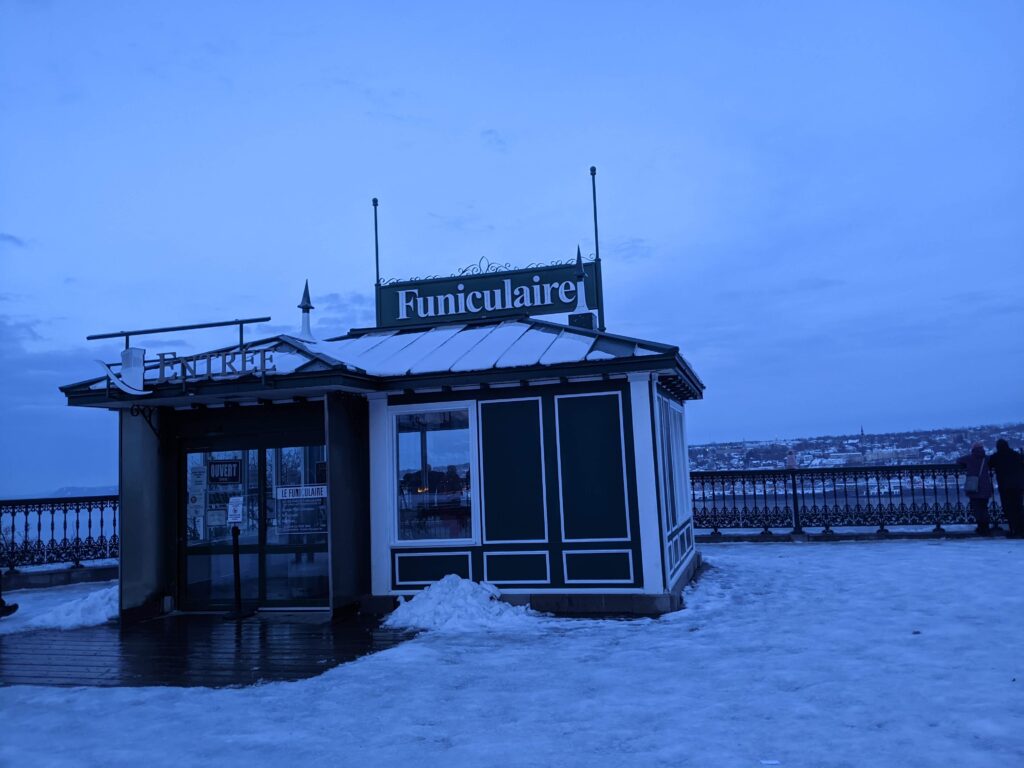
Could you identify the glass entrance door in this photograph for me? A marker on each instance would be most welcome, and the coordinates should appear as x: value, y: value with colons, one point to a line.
x: 282, y: 497
x: 295, y: 530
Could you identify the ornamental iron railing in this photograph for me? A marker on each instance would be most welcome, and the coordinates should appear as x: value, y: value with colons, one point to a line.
x: 828, y: 498
x: 83, y: 528
x: 60, y: 530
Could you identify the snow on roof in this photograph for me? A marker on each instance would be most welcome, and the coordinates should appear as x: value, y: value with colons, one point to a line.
x: 456, y: 348
x: 485, y: 354
x: 569, y: 347
x: 480, y: 347
x: 528, y: 348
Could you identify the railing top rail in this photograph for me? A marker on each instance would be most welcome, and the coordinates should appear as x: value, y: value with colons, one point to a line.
x: 880, y: 469
x: 56, y: 500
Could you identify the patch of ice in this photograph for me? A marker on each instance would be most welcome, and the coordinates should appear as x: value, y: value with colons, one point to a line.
x: 454, y: 604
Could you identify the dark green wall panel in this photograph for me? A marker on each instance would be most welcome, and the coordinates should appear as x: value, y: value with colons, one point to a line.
x: 414, y: 568
x: 598, y: 566
x: 349, y: 484
x: 513, y: 471
x: 593, y: 488
x: 504, y: 567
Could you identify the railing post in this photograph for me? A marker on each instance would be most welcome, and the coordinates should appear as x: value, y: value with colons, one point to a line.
x: 935, y: 494
x: 882, y: 530
x: 115, y: 540
x: 11, y: 547
x: 76, y: 549
x: 797, y: 525
x: 992, y: 508
x: 714, y: 505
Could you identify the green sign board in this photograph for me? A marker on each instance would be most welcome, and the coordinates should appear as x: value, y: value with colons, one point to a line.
x: 545, y: 290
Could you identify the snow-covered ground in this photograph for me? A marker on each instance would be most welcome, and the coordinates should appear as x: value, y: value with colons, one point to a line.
x: 100, y: 563
x: 904, y: 653
x: 76, y: 605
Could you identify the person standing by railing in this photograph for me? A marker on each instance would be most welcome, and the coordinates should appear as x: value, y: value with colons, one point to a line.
x: 1009, y: 468
x: 978, y: 485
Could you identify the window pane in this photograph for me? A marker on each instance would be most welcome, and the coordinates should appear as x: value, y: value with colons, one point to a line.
x: 217, y: 480
x: 667, y: 459
x: 679, y: 464
x: 211, y: 579
x: 433, y: 475
x: 296, y: 495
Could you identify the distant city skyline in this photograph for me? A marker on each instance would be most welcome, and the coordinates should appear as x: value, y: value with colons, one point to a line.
x: 819, y: 204
x: 933, y: 446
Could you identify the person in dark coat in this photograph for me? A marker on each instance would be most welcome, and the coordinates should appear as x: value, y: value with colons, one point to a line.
x: 976, y: 464
x: 1009, y: 468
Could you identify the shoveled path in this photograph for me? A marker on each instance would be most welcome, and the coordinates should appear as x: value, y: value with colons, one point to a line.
x: 191, y: 650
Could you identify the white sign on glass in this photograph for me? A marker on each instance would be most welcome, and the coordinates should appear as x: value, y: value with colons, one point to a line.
x: 235, y: 509
x: 289, y: 492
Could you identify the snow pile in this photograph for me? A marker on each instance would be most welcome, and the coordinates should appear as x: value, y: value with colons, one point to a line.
x: 96, y: 607
x: 455, y: 604
x: 80, y: 605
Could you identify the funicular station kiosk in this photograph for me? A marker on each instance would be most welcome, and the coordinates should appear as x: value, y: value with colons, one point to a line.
x: 461, y: 435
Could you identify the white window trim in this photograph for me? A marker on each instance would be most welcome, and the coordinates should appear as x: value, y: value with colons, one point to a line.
x: 399, y: 555
x: 394, y: 412
x: 683, y: 509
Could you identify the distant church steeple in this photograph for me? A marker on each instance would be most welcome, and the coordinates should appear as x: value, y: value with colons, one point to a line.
x: 305, y: 305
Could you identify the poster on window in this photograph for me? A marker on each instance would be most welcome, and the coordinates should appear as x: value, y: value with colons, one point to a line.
x: 197, y: 479
x: 217, y: 516
x: 235, y: 509
x: 301, y: 509
x: 227, y: 472
x: 196, y: 503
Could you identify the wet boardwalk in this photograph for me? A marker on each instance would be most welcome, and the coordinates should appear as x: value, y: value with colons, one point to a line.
x: 191, y: 651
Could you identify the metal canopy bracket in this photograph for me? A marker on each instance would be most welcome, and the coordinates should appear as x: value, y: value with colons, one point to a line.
x: 146, y: 413
x: 173, y: 328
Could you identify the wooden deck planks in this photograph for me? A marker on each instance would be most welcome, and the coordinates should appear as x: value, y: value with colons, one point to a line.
x: 190, y: 650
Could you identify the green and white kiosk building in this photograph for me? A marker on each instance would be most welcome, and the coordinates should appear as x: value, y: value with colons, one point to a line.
x: 460, y: 435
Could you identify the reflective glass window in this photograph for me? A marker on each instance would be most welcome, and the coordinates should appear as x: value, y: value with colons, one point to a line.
x: 433, y: 475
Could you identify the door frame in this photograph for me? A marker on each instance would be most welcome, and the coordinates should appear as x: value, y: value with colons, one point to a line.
x: 304, y: 427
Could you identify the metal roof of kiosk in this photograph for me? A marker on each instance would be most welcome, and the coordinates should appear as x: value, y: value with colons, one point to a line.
x: 388, y: 359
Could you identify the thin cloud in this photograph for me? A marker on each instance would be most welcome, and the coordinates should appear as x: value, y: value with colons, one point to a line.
x: 632, y: 248
x: 6, y: 238
x: 14, y: 333
x: 493, y: 140
x: 461, y: 222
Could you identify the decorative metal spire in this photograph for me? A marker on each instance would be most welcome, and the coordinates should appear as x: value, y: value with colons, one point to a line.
x: 581, y: 285
x: 305, y: 305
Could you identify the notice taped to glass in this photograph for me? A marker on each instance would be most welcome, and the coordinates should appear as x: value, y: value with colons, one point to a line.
x: 301, y: 509
x: 289, y: 492
x: 235, y: 509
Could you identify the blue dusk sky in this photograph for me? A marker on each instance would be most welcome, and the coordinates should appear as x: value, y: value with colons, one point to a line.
x: 820, y: 203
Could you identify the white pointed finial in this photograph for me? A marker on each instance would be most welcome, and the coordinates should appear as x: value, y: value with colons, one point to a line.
x: 581, y: 287
x: 305, y: 305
